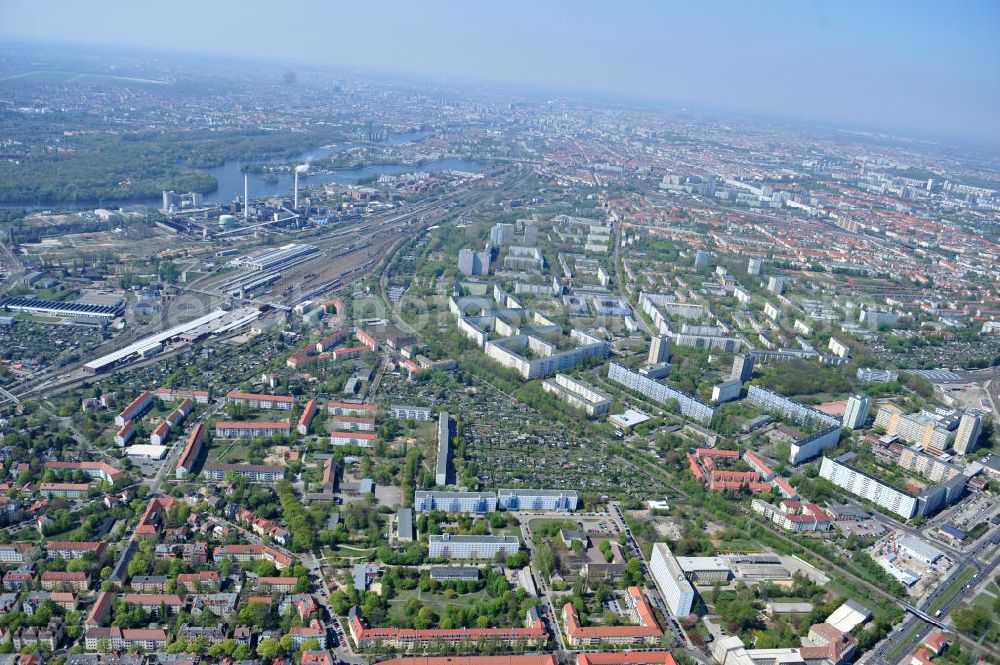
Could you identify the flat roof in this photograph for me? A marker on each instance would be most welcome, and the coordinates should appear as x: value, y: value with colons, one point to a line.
x: 146, y: 450
x: 696, y: 563
x: 135, y: 347
x: 629, y: 418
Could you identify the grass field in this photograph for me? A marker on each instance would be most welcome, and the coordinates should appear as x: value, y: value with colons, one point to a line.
x: 225, y: 452
x: 437, y: 602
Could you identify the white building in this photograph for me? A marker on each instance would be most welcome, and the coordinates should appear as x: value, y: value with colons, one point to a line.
x: 838, y: 348
x: 578, y: 394
x: 531, y: 499
x: 690, y: 406
x: 450, y: 546
x: 727, y: 391
x: 659, y: 350
x: 674, y: 585
x: 967, y: 434
x: 772, y: 312
x: 455, y: 502
x: 856, y: 412
x: 401, y: 412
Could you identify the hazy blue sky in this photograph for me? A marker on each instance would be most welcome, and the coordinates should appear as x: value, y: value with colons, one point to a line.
x: 918, y: 65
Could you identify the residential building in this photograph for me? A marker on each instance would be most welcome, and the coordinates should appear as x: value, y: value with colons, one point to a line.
x: 450, y: 546
x: 148, y: 583
x: 243, y: 553
x: 794, y: 515
x: 578, y: 394
x: 838, y: 348
x: 532, y: 499
x: 101, y: 470
x: 742, y: 368
x: 659, y: 350
x: 727, y: 391
x: 967, y: 434
x: 53, y: 580
x: 443, y: 449
x: 677, y: 591
x: 928, y: 466
x: 308, y: 413
x: 15, y: 552
x: 404, y: 525
x: 402, y: 412
x: 254, y: 401
x: 931, y: 433
x: 125, y: 433
x: 68, y: 490
x: 455, y: 502
x: 406, y: 639
x: 123, y: 639
x: 353, y: 424
x: 250, y: 430
x: 135, y: 409
x: 50, y: 635
x: 646, y: 630
x: 898, y: 501
x: 192, y: 450
x: 771, y: 401
x: 74, y: 549
x: 350, y: 409
x: 856, y: 412
x: 154, y: 602
x: 362, y: 439
x: 690, y: 406
x: 262, y: 473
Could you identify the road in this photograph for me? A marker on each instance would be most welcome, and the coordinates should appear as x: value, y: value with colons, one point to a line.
x: 680, y: 635
x: 913, y: 630
x: 548, y: 609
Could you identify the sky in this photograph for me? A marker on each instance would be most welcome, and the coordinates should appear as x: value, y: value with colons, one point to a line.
x: 928, y: 67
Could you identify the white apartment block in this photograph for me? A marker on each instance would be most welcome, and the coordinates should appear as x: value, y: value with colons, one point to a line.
x: 450, y: 546
x: 455, y: 502
x: 861, y: 484
x: 578, y: 394
x: 690, y: 406
x: 967, y: 434
x: 670, y: 578
x: 401, y: 412
x: 856, y: 412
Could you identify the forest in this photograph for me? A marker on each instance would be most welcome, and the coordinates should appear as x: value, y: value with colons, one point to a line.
x: 139, y: 166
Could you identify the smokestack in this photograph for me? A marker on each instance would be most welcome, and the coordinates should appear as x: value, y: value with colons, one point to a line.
x: 302, y: 168
x: 246, y: 197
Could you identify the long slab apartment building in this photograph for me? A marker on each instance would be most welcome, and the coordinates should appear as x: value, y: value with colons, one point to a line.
x: 677, y: 591
x: 839, y: 472
x: 690, y: 406
x: 811, y: 446
x: 504, y: 499
x: 578, y: 394
x: 278, y: 402
x: 262, y: 473
x: 450, y: 546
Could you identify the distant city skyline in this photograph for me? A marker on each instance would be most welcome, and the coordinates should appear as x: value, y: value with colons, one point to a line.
x: 910, y: 67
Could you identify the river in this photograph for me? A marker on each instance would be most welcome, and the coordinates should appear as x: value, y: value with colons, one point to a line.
x: 230, y: 177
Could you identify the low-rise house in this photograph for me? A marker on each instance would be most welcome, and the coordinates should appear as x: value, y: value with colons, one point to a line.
x: 49, y: 635
x: 59, y: 581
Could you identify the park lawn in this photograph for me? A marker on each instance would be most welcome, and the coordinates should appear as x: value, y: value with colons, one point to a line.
x: 226, y: 451
x: 354, y: 550
x: 436, y: 601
